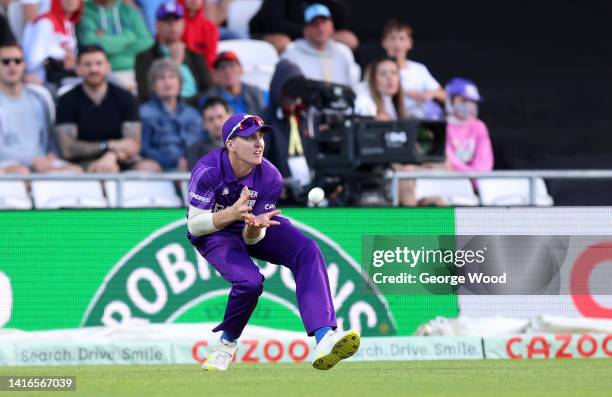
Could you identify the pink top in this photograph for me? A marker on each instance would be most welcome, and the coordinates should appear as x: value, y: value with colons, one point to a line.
x: 468, y: 147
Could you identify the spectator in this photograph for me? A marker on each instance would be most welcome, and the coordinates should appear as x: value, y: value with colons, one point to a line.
x: 242, y: 97
x: 120, y: 30
x: 50, y: 43
x: 382, y: 99
x: 281, y: 21
x: 317, y: 54
x: 468, y: 147
x: 216, y: 111
x: 286, y: 147
x: 195, y: 74
x: 97, y: 121
x: 420, y: 89
x: 201, y: 35
x: 26, y: 141
x: 168, y: 124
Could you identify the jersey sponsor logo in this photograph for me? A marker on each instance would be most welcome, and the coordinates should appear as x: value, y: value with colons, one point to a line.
x: 164, y: 279
x: 251, y: 203
x: 269, y: 206
x: 253, y: 194
x: 200, y: 198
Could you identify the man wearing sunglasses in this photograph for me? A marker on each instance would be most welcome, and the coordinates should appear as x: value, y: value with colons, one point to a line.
x: 233, y: 217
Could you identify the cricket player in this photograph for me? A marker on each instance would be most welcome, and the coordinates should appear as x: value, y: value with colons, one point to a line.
x: 233, y: 217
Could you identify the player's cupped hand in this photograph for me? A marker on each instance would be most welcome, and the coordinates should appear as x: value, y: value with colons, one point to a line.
x: 263, y: 220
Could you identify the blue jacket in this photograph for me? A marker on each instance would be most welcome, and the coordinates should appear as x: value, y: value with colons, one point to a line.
x: 165, y: 136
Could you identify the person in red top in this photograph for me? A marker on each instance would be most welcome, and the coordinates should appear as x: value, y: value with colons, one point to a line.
x: 201, y: 35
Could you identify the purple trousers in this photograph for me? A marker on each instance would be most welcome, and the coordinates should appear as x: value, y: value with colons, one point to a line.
x: 284, y: 245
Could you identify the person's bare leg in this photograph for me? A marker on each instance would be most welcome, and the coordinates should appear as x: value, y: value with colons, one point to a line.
x: 147, y: 165
x: 280, y: 41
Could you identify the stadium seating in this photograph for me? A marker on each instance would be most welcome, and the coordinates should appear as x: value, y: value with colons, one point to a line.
x: 512, y: 191
x: 68, y: 194
x: 13, y: 195
x: 46, y: 95
x: 239, y: 13
x: 258, y: 59
x: 454, y: 191
x: 137, y: 194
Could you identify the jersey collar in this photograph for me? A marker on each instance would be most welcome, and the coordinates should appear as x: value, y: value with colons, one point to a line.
x: 228, y: 172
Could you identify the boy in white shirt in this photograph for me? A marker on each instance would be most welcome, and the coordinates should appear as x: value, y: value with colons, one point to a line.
x: 418, y: 85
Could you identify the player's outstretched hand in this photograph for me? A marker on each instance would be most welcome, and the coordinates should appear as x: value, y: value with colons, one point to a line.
x: 263, y: 220
x: 241, y: 208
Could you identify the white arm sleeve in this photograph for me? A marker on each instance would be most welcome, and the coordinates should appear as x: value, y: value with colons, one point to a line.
x: 200, y: 222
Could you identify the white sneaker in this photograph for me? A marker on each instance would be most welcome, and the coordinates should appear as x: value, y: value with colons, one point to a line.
x: 220, y: 357
x: 335, y: 346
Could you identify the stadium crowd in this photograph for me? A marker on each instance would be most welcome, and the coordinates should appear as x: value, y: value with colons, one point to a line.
x: 114, y: 85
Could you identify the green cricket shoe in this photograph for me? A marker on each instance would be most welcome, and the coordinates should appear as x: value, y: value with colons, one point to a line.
x: 335, y: 346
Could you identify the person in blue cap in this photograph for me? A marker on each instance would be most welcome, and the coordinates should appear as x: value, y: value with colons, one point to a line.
x: 232, y: 217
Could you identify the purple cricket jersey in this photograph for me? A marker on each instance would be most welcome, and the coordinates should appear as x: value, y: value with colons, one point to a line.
x: 214, y: 186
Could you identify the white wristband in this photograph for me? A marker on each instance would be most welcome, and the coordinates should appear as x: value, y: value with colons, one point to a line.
x: 254, y: 240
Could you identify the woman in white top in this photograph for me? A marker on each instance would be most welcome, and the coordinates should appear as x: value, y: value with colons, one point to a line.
x: 381, y: 98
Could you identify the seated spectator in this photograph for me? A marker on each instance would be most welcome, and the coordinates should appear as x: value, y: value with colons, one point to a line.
x: 286, y: 147
x: 26, y: 139
x: 382, y: 98
x: 468, y: 146
x: 50, y: 43
x: 317, y: 54
x: 420, y: 89
x: 195, y: 74
x: 120, y: 30
x: 169, y: 125
x: 97, y: 122
x: 201, y: 35
x: 280, y: 21
x: 216, y: 111
x: 242, y: 97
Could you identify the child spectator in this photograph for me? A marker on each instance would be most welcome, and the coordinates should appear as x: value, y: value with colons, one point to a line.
x: 419, y: 86
x: 468, y: 146
x: 169, y: 125
x: 50, y: 43
x: 216, y: 111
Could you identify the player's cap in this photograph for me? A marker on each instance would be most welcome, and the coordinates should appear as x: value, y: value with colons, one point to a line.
x: 315, y: 11
x: 226, y: 56
x: 464, y: 88
x: 169, y: 9
x: 243, y: 124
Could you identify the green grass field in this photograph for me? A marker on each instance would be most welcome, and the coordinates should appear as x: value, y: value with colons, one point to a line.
x: 541, y: 378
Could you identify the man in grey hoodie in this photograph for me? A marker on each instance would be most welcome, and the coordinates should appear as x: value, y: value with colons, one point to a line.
x: 319, y: 56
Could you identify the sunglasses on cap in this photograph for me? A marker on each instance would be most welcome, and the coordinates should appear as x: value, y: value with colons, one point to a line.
x: 7, y: 61
x: 247, y: 121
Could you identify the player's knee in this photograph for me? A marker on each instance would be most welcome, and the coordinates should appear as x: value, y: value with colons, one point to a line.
x: 252, y: 286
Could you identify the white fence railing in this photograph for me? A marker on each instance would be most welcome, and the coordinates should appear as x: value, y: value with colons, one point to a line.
x: 530, y: 175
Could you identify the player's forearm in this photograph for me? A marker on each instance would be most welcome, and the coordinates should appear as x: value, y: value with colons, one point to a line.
x: 223, y: 218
